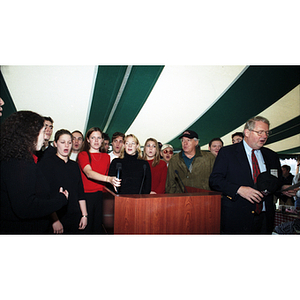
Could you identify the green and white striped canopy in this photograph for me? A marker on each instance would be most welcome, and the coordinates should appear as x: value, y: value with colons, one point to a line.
x: 161, y: 101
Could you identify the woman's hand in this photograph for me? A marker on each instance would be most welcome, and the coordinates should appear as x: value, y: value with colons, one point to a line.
x: 65, y: 192
x: 57, y: 227
x: 114, y: 181
x: 83, y: 223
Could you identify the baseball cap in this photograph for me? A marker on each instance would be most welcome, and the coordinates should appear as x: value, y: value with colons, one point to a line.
x: 189, y: 134
x: 166, y: 146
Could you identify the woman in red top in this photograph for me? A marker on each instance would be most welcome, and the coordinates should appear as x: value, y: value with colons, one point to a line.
x: 94, y: 166
x: 158, y: 167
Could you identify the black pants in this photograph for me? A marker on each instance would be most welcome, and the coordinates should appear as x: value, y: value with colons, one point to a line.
x: 259, y: 225
x: 94, y: 204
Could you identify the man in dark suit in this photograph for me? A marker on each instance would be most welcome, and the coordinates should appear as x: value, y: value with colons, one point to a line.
x: 244, y: 209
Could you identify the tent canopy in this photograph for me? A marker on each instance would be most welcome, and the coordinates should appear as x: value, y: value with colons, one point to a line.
x: 161, y: 101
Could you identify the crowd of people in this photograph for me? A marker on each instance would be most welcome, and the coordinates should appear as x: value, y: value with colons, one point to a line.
x: 58, y: 186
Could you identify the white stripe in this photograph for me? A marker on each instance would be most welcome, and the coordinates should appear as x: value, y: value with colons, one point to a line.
x: 91, y: 98
x: 120, y: 93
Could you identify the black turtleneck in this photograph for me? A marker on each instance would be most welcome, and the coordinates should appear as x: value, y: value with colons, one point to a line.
x: 132, y: 174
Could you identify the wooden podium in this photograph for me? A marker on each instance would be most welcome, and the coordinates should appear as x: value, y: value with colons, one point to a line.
x: 195, y: 212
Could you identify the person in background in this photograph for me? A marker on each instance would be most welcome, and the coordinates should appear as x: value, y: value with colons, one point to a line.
x: 135, y: 172
x: 166, y: 152
x: 215, y: 145
x: 237, y: 137
x: 244, y: 208
x: 287, y: 179
x: 296, y: 179
x: 158, y: 167
x: 1, y: 104
x: 77, y: 140
x: 159, y: 146
x: 25, y: 196
x: 94, y: 165
x: 106, y: 142
x: 287, y: 175
x: 298, y: 164
x: 190, y: 167
x: 47, y: 149
x: 117, y: 144
x: 59, y: 170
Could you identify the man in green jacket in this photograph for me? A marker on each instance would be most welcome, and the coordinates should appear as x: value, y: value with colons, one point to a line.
x: 190, y: 167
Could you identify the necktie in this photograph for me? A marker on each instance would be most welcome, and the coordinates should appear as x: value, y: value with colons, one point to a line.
x: 256, y: 172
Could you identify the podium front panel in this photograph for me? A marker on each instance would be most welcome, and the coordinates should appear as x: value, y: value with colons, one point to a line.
x: 191, y: 213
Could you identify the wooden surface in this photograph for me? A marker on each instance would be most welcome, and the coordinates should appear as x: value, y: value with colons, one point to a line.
x: 190, y: 213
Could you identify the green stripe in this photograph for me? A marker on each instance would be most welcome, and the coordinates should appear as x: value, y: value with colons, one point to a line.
x: 289, y: 153
x: 9, y: 106
x: 107, y: 84
x: 139, y: 86
x: 254, y: 91
x: 284, y: 131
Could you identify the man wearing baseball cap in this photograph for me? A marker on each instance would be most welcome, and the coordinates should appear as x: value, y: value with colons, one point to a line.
x: 190, y: 167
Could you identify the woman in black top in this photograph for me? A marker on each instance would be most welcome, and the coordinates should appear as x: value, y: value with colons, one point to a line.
x: 61, y: 171
x: 134, y: 172
x: 25, y: 199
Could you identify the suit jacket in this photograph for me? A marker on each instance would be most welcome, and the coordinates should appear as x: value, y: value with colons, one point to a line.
x: 232, y: 170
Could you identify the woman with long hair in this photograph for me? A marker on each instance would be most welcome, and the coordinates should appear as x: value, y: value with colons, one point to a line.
x: 25, y: 196
x: 62, y: 171
x: 135, y: 172
x: 94, y: 166
x: 158, y: 167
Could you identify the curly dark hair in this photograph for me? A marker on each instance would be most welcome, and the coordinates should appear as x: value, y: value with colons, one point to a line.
x: 19, y: 134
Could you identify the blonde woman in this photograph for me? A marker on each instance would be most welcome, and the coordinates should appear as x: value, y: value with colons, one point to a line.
x: 134, y: 172
x: 158, y: 167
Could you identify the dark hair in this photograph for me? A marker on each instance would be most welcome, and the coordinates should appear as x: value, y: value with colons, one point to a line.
x: 116, y: 134
x: 105, y: 136
x: 78, y: 132
x: 86, y: 145
x: 287, y: 167
x: 48, y: 119
x: 215, y: 139
x: 237, y: 134
x: 19, y: 134
x: 61, y: 132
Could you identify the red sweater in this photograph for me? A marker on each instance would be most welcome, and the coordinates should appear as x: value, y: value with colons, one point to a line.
x: 100, y: 164
x: 159, y: 176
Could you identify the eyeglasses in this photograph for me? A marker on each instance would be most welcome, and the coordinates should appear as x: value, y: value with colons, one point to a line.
x: 261, y: 132
x: 168, y: 151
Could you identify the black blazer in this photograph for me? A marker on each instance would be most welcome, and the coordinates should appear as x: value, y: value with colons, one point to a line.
x: 232, y: 170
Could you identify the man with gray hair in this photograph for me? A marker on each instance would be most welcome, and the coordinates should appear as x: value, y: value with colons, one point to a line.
x: 239, y: 172
x: 190, y: 167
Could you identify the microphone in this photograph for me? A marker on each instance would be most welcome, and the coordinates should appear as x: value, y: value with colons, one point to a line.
x: 181, y: 181
x: 144, y: 167
x: 119, y: 170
